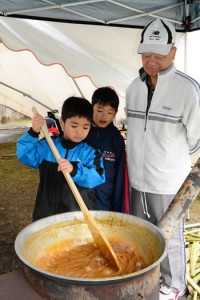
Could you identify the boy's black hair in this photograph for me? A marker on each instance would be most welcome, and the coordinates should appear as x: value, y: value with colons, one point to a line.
x: 76, y: 106
x: 106, y: 96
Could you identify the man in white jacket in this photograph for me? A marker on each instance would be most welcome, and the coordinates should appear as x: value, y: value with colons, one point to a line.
x: 163, y: 118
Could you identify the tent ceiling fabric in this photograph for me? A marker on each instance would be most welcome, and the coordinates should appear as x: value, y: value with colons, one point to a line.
x: 49, y: 61
x: 129, y: 13
x: 106, y: 60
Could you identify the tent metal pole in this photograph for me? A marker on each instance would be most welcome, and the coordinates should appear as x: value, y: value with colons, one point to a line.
x: 26, y: 95
x: 76, y: 84
x: 187, y: 25
x: 186, y: 54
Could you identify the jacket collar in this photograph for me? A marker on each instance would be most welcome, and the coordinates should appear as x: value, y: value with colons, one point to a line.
x: 67, y: 144
x: 100, y: 129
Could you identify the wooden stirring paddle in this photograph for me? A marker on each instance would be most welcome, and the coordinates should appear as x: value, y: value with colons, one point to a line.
x: 98, y: 236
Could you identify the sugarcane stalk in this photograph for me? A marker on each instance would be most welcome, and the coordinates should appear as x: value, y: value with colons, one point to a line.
x: 195, y: 295
x: 187, y: 252
x: 196, y: 278
x: 192, y: 239
x: 194, y: 254
x: 192, y: 283
x: 190, y: 231
x: 190, y: 289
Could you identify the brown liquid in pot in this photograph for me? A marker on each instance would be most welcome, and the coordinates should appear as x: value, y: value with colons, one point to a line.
x: 85, y: 261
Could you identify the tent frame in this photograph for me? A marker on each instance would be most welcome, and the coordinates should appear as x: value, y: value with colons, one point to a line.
x: 124, y: 14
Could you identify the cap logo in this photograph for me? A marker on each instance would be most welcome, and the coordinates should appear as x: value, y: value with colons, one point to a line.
x: 155, y: 32
x: 155, y: 35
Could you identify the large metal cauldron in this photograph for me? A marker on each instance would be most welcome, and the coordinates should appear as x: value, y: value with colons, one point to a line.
x: 143, y: 284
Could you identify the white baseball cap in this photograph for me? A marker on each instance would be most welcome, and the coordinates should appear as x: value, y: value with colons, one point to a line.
x: 157, y: 37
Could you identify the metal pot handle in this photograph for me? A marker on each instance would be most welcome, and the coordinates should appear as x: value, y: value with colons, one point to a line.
x: 182, y: 201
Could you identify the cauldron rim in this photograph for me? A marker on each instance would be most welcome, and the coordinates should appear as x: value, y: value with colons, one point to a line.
x: 89, y: 281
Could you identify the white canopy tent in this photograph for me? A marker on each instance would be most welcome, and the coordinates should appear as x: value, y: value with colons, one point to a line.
x: 77, y: 61
x: 43, y: 62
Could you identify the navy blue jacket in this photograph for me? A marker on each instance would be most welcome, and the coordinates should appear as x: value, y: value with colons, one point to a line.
x: 110, y: 195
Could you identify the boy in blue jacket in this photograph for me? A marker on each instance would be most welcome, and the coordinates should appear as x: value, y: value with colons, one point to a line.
x: 113, y: 194
x: 83, y: 162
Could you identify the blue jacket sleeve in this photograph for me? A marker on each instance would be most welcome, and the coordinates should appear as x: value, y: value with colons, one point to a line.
x: 90, y: 172
x: 30, y: 151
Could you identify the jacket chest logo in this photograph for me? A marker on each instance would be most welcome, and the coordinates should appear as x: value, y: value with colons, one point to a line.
x: 107, y: 155
x: 166, y: 108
